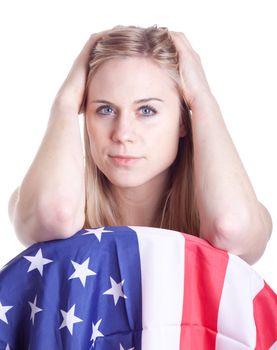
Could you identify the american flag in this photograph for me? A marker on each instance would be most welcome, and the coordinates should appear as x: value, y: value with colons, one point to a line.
x: 132, y: 288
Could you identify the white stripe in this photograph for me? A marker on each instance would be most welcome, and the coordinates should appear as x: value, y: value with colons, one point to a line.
x: 236, y: 325
x: 162, y: 254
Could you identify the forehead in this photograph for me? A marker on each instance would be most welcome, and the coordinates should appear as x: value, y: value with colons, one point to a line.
x: 131, y: 74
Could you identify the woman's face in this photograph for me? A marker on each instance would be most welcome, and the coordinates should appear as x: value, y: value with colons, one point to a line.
x: 133, y: 121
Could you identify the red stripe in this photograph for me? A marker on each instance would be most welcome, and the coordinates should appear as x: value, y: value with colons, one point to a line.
x: 265, y: 314
x: 205, y: 268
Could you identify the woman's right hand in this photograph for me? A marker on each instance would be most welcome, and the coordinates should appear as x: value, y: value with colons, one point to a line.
x: 71, y: 93
x: 53, y: 207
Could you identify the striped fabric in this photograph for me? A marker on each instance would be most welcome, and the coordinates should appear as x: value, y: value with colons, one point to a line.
x: 132, y: 288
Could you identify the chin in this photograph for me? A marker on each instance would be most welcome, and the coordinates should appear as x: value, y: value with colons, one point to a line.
x: 126, y: 182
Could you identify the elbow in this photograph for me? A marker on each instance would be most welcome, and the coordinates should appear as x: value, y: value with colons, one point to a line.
x: 245, y: 237
x: 47, y: 222
x: 57, y: 222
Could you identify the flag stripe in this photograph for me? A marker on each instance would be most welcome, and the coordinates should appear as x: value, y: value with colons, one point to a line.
x: 274, y: 346
x: 237, y: 331
x: 204, y: 277
x: 134, y: 288
x: 162, y: 271
x: 263, y: 302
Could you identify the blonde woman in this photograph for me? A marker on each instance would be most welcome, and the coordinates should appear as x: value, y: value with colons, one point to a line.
x: 157, y: 151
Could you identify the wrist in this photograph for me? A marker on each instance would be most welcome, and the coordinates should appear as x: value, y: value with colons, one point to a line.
x: 62, y: 106
x: 204, y: 107
x: 203, y: 100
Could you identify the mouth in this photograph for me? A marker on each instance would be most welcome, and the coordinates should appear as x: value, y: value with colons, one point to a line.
x: 124, y: 160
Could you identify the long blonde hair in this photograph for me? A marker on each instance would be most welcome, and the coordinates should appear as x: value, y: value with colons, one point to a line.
x: 178, y: 208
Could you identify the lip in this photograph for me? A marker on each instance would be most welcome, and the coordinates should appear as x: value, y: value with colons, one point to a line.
x: 124, y: 160
x: 124, y: 156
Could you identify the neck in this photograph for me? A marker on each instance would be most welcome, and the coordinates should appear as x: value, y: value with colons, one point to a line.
x: 140, y: 206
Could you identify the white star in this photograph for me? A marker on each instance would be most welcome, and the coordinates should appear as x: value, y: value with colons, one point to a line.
x: 95, y: 332
x: 82, y: 271
x: 121, y: 348
x: 116, y: 290
x: 96, y: 231
x: 34, y: 309
x: 37, y: 262
x: 8, y: 347
x: 3, y: 311
x: 69, y: 319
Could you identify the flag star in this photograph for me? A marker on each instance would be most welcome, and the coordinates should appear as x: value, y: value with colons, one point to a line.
x: 37, y: 262
x: 69, y: 319
x: 34, y: 309
x: 82, y: 271
x: 8, y: 347
x: 97, y: 232
x: 95, y: 332
x: 116, y: 290
x: 121, y: 348
x: 3, y: 311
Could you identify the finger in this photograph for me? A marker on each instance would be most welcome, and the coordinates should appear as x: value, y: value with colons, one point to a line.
x: 90, y: 43
x: 181, y: 39
x: 184, y: 47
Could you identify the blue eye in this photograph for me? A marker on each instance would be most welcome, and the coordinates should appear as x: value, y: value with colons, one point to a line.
x: 106, y: 110
x: 149, y: 110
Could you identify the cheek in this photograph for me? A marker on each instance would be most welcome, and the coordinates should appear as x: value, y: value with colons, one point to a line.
x: 164, y: 145
x: 169, y: 134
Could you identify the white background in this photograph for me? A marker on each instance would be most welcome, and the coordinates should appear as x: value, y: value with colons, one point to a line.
x: 236, y: 41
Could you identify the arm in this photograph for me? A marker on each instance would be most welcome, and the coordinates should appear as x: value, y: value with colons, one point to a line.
x: 231, y: 217
x: 50, y: 202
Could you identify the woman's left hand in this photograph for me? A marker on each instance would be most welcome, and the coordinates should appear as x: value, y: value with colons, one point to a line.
x: 194, y: 81
x: 223, y: 188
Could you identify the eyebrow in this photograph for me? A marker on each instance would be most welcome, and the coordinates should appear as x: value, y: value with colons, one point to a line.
x: 143, y: 100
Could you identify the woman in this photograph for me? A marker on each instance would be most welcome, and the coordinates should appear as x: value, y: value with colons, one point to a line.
x: 145, y: 97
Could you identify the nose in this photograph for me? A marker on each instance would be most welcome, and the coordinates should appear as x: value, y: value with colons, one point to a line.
x: 124, y: 129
